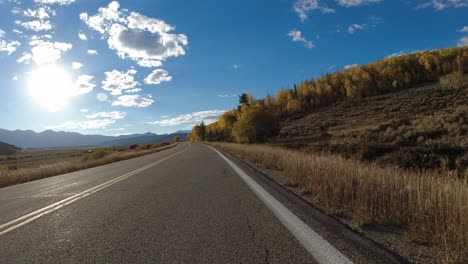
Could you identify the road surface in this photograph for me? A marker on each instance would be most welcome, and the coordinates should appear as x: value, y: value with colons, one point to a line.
x: 183, y: 205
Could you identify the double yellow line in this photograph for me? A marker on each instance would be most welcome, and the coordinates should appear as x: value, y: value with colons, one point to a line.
x: 28, y: 218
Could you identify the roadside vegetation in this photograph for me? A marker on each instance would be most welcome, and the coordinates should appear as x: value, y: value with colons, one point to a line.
x: 15, y: 171
x: 431, y: 207
x: 383, y: 143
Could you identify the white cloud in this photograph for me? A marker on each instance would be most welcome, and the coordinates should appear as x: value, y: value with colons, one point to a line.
x: 464, y: 29
x: 42, y: 13
x: 35, y: 37
x: 236, y: 66
x: 25, y: 58
x: 158, y: 76
x: 47, y: 52
x: 140, y: 45
x: 2, y: 33
x: 17, y: 32
x: 115, y: 115
x: 16, y: 10
x: 149, y: 63
x: 84, y: 84
x: 89, y: 124
x: 396, y: 54
x: 36, y: 25
x: 41, y: 17
x: 208, y: 116
x: 349, y: 3
x: 443, y: 4
x: 463, y: 42
x: 51, y: 2
x: 135, y: 90
x: 303, y: 7
x: 82, y: 36
x: 352, y: 28
x: 297, y: 37
x: 76, y: 65
x: 15, y: 78
x: 143, y: 39
x: 92, y: 52
x: 117, y: 81
x: 8, y: 46
x: 103, y: 20
x: 132, y: 101
x: 347, y: 67
x: 84, y: 110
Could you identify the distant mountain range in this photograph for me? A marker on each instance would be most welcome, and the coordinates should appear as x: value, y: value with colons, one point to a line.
x: 57, y: 139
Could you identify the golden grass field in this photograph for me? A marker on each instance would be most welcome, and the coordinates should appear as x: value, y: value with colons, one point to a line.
x: 432, y: 207
x: 32, y: 166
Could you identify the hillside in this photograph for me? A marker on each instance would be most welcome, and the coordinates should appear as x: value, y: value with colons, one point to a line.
x: 7, y: 149
x: 427, y: 126
x: 373, y: 112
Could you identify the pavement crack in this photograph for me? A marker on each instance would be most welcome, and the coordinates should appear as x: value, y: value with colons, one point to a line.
x: 267, y: 255
x: 252, y: 231
x: 253, y: 234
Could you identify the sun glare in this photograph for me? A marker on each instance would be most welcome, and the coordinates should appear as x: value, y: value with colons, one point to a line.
x: 51, y: 86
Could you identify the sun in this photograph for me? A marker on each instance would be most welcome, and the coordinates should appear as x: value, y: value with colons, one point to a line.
x: 51, y: 87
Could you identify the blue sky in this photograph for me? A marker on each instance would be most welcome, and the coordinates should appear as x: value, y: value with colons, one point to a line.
x: 121, y: 67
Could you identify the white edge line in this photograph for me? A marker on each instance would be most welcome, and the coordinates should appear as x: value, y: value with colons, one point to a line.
x: 322, y: 251
x: 25, y: 219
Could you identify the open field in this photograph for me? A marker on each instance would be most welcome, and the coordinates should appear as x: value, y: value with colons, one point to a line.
x: 430, y: 207
x: 32, y: 165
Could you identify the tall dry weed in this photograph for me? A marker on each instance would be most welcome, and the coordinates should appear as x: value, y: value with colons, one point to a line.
x: 433, y: 207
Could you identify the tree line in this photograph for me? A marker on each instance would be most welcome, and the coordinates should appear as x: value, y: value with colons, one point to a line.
x: 255, y: 120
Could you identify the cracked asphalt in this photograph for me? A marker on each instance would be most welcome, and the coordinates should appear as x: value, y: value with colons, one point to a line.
x: 192, y: 208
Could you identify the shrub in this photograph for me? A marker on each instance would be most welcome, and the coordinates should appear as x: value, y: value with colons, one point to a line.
x: 254, y: 125
x: 452, y: 81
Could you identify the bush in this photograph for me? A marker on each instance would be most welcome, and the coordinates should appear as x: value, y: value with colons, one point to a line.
x: 452, y: 81
x: 254, y: 125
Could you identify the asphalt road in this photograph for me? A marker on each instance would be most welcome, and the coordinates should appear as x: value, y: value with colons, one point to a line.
x: 188, y: 206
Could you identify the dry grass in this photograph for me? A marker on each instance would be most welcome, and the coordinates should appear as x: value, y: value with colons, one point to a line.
x: 11, y: 177
x: 452, y: 81
x: 433, y: 207
x: 428, y: 125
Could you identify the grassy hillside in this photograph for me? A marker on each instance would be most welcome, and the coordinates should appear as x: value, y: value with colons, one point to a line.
x: 7, y: 149
x: 424, y: 127
x: 373, y: 112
